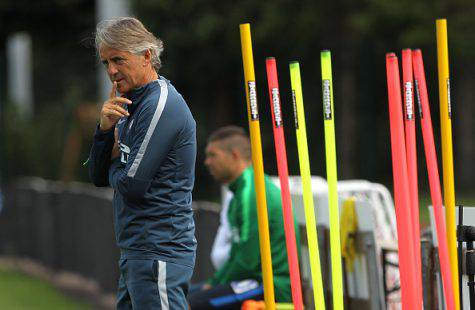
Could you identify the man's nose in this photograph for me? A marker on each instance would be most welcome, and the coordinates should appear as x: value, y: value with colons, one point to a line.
x: 111, y: 69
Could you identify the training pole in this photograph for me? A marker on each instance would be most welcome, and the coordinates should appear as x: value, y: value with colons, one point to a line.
x: 304, y: 163
x: 411, y: 159
x: 279, y: 141
x: 330, y: 154
x: 433, y: 172
x: 258, y: 165
x: 447, y: 154
x: 407, y: 265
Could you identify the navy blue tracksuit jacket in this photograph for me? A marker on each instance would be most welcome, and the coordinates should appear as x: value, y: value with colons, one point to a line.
x: 153, y: 177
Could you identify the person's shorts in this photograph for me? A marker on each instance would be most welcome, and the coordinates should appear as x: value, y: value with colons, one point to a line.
x: 152, y: 284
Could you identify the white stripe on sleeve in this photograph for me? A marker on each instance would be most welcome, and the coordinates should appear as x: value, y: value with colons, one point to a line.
x: 151, y: 128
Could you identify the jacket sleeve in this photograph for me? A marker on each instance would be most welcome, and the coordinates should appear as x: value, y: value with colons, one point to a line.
x: 155, y: 134
x: 244, y: 258
x: 100, y: 157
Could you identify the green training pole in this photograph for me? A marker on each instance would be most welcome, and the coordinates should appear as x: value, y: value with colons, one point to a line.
x: 310, y: 222
x: 330, y: 152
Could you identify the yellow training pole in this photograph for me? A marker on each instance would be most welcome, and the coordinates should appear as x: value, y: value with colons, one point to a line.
x: 447, y: 155
x: 258, y: 165
x: 310, y: 221
x: 330, y: 154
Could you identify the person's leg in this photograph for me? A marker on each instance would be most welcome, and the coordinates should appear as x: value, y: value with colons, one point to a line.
x: 123, y: 298
x: 200, y: 300
x: 195, y: 287
x: 174, y: 279
x: 154, y: 284
x: 226, y: 296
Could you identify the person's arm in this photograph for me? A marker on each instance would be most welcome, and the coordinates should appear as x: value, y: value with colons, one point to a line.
x: 100, y: 157
x: 157, y: 129
x: 222, y: 242
x: 244, y: 259
x: 103, y: 141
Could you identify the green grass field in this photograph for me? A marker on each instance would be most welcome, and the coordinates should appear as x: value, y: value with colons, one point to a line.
x: 19, y: 291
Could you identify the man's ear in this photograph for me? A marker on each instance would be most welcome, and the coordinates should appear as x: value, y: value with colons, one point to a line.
x: 147, y: 58
x: 235, y: 154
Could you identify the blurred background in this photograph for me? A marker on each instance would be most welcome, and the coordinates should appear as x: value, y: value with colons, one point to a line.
x: 52, y: 86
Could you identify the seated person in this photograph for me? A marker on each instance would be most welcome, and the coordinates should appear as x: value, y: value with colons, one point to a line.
x: 228, y: 158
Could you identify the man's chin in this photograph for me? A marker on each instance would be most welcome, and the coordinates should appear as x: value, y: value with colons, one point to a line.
x: 123, y: 87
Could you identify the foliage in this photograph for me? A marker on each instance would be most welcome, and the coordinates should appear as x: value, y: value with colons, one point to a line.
x: 203, y: 56
x: 33, y: 147
x: 203, y: 60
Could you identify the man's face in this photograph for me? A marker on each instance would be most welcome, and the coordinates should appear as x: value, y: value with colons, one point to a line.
x: 219, y: 162
x: 125, y: 68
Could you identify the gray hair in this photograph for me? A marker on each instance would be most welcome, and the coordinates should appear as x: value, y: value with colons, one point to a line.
x: 130, y: 35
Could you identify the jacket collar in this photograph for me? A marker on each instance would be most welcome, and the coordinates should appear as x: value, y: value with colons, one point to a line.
x: 135, y: 95
x: 234, y: 185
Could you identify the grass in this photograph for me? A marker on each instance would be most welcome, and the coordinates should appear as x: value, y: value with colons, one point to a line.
x: 19, y: 291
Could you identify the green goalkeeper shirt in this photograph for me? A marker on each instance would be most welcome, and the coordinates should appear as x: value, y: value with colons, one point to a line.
x: 244, y: 259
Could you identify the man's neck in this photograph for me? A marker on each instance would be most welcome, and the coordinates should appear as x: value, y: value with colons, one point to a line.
x: 150, y: 75
x: 239, y: 170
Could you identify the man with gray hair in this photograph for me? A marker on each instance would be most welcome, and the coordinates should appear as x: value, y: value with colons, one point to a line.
x: 145, y: 149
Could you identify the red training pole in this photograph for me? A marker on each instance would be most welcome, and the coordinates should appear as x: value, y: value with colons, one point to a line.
x: 433, y: 171
x: 411, y: 159
x: 407, y: 264
x: 278, y: 126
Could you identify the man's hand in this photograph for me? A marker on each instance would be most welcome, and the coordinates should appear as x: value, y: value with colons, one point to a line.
x: 115, y: 149
x: 111, y: 110
x: 206, y: 286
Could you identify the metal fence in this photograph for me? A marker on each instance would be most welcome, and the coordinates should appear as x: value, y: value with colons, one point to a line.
x: 69, y: 227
